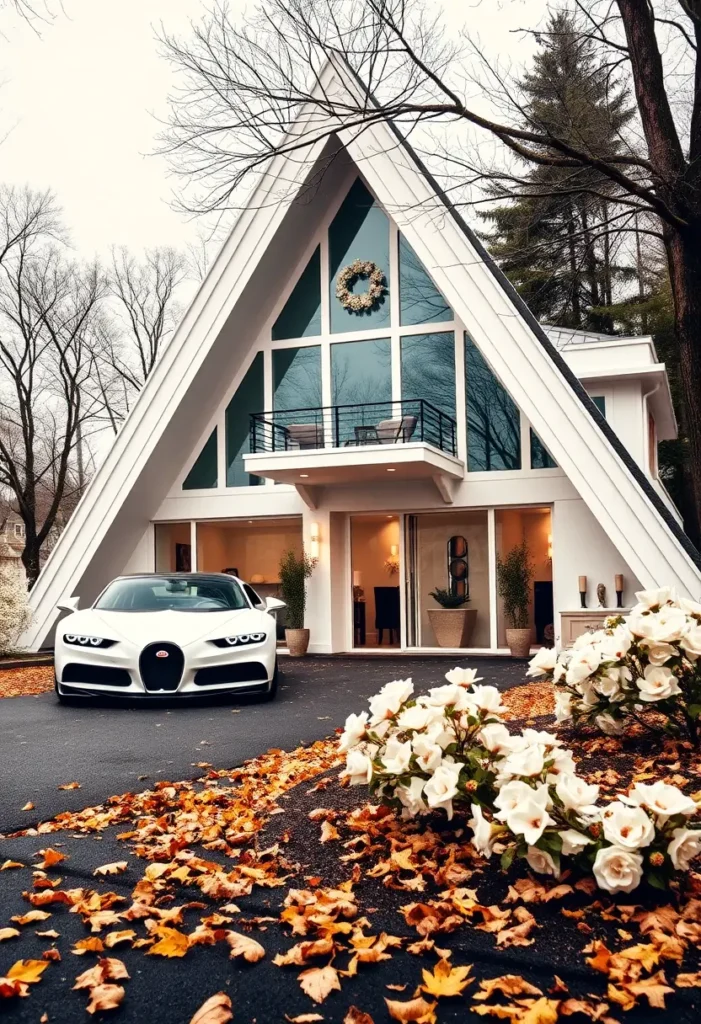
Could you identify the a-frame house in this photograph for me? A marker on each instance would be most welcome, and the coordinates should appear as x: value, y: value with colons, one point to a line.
x: 408, y: 443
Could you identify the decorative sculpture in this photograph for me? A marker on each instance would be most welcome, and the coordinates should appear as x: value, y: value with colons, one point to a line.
x: 601, y: 594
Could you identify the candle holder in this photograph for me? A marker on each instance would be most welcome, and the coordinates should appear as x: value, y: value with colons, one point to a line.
x: 618, y: 578
x: 583, y: 591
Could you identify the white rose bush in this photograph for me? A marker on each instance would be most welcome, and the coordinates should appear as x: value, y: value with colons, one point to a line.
x: 644, y: 667
x: 449, y: 751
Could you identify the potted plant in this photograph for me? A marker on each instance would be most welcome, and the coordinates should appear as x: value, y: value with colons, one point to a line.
x: 295, y: 570
x: 514, y: 575
x: 452, y: 623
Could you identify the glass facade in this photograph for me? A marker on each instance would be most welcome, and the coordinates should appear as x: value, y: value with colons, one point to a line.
x: 204, y: 472
x: 428, y: 369
x: 600, y: 403
x: 297, y: 378
x: 359, y: 231
x: 420, y: 301
x: 540, y: 456
x: 361, y: 373
x: 301, y: 314
x: 493, y: 420
x: 249, y: 398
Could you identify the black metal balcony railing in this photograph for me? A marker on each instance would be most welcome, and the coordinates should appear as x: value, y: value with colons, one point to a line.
x: 343, y: 426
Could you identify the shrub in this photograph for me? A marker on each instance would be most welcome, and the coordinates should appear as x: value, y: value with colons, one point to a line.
x: 14, y: 609
x: 295, y: 570
x: 446, y: 599
x: 514, y: 575
x: 643, y: 667
x: 449, y: 750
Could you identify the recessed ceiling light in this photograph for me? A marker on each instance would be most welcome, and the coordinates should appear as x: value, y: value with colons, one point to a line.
x: 304, y: 474
x: 391, y: 471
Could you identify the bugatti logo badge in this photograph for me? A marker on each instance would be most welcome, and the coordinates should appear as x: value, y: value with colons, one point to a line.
x: 161, y: 654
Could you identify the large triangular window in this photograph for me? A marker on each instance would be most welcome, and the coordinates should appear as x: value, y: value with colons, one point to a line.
x: 249, y: 398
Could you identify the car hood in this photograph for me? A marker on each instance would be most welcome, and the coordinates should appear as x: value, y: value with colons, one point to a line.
x: 181, y: 628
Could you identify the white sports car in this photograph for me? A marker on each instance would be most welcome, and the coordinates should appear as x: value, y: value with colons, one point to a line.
x: 165, y: 634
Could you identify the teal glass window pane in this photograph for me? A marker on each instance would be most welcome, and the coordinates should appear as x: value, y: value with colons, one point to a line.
x: 540, y: 456
x: 419, y: 299
x: 361, y: 373
x: 428, y: 369
x: 359, y: 231
x: 301, y: 314
x: 600, y: 403
x: 493, y: 421
x: 204, y: 472
x: 249, y: 398
x: 297, y: 378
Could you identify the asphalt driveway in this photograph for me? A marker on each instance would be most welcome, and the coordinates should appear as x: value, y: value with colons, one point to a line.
x: 116, y: 748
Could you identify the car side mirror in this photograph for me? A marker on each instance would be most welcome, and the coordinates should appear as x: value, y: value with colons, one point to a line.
x: 68, y: 604
x: 273, y: 604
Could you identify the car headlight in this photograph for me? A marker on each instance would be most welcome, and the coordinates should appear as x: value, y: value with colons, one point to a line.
x: 80, y: 640
x: 239, y: 641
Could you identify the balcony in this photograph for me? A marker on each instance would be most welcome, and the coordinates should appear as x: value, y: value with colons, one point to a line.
x: 352, y: 444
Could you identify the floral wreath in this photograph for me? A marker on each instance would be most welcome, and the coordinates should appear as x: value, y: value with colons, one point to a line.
x: 365, y: 300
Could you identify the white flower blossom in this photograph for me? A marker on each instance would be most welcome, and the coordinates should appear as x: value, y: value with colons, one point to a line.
x: 582, y: 664
x: 496, y: 738
x: 648, y: 599
x: 417, y: 717
x: 529, y: 819
x: 543, y: 662
x: 388, y: 701
x: 513, y: 793
x: 627, y: 827
x: 542, y: 862
x: 563, y: 706
x: 486, y: 698
x: 411, y: 797
x: 442, y: 787
x: 618, y: 870
x: 482, y: 838
x: 573, y: 842
x: 396, y: 756
x: 684, y: 847
x: 657, y: 683
x: 428, y: 754
x: 463, y: 676
x: 659, y: 653
x: 353, y: 731
x: 609, y: 725
x: 528, y: 762
x: 358, y: 768
x: 691, y: 642
x: 442, y: 696
x: 576, y: 794
x: 661, y: 799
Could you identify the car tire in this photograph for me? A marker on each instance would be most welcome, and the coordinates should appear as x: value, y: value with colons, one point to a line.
x: 271, y: 693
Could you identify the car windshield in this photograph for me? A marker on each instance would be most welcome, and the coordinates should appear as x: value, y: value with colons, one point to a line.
x: 172, y: 593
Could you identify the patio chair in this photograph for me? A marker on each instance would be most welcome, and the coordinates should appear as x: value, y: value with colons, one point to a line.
x: 306, y: 435
x: 396, y: 431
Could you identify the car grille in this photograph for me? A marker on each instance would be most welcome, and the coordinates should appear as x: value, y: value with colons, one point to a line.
x: 243, y: 672
x: 164, y: 672
x: 97, y: 674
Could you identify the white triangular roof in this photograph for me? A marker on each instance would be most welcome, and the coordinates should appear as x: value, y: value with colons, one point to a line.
x: 519, y: 352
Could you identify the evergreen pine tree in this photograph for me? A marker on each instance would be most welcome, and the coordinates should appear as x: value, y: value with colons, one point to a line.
x: 554, y: 241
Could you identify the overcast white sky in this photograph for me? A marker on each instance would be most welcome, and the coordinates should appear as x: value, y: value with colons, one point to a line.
x: 80, y: 105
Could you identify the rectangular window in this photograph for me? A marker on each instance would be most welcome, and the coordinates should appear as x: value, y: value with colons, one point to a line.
x: 361, y: 387
x: 249, y: 398
x: 359, y: 231
x: 297, y: 378
x: 600, y: 403
x: 493, y: 420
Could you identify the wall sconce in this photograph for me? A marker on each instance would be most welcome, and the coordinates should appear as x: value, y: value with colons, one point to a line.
x: 314, y: 540
x: 550, y: 547
x: 394, y: 550
x: 392, y: 563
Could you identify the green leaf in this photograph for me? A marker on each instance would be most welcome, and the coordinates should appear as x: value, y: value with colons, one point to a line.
x: 694, y: 711
x: 656, y: 880
x: 507, y: 858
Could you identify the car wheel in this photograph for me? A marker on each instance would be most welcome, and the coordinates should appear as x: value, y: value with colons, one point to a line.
x: 272, y: 692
